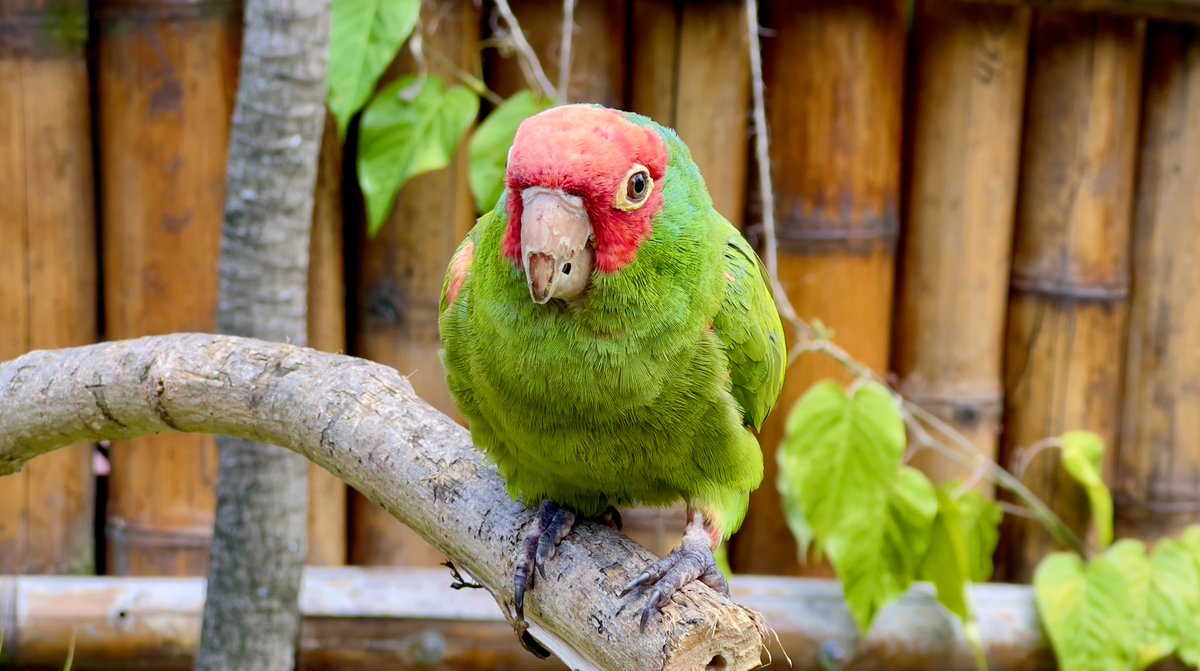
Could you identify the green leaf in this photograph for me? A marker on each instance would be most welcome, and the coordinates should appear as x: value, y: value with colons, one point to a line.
x: 1085, y: 612
x: 840, y: 465
x: 880, y: 568
x: 1174, y: 601
x: 1189, y: 636
x: 801, y: 530
x: 1082, y: 453
x: 947, y: 564
x: 405, y: 134
x: 912, y: 506
x: 1130, y: 557
x: 364, y: 39
x: 488, y: 148
x: 981, y: 519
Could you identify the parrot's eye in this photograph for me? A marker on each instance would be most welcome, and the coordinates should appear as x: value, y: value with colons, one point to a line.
x: 635, y: 191
x: 638, y: 183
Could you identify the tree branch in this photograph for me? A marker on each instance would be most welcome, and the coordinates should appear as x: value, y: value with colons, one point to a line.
x: 362, y: 422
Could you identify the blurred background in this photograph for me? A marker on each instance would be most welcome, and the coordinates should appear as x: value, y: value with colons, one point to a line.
x: 998, y: 205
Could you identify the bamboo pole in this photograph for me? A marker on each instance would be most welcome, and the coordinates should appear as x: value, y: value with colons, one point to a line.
x: 705, y: 96
x: 834, y: 83
x: 47, y: 262
x: 401, y: 272
x: 1158, y: 461
x: 598, y: 62
x: 407, y: 618
x: 1176, y: 10
x: 1070, y: 274
x: 327, y: 495
x: 965, y: 137
x: 166, y: 76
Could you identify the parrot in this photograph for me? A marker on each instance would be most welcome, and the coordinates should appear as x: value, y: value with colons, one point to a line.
x: 612, y: 340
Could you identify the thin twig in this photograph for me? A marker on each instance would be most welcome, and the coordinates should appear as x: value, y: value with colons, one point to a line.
x: 416, y: 46
x: 469, y: 80
x: 980, y: 471
x: 1025, y: 456
x: 1005, y: 480
x: 459, y: 581
x: 523, y: 48
x: 1016, y: 510
x: 564, y: 54
x: 761, y: 143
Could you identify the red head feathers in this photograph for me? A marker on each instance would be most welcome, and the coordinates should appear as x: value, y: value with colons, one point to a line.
x: 603, y: 158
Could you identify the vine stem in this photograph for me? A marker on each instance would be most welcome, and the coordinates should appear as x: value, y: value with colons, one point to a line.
x: 564, y: 54
x: 762, y: 151
x: 527, y: 54
x: 469, y: 80
x: 1025, y: 456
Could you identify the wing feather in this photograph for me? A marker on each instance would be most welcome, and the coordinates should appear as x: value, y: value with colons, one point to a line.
x: 750, y: 330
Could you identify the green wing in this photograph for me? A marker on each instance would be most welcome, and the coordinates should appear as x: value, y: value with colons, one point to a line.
x: 749, y: 328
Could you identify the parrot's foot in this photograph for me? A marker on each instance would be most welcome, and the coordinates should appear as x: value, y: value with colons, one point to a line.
x: 692, y: 560
x: 612, y: 517
x: 551, y: 525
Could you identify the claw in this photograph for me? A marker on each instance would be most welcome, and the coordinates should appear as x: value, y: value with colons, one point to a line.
x: 692, y: 560
x: 612, y: 517
x: 549, y: 527
x: 651, y: 574
x: 555, y: 531
x: 659, y: 598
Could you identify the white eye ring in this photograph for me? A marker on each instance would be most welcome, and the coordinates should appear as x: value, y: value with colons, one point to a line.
x: 627, y: 198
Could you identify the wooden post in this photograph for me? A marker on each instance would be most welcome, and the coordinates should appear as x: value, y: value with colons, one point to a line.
x: 166, y: 75
x: 965, y: 135
x: 597, y: 52
x: 1158, y: 462
x: 834, y: 81
x: 690, y: 70
x: 327, y: 495
x: 401, y: 281
x: 1070, y: 275
x: 47, y: 262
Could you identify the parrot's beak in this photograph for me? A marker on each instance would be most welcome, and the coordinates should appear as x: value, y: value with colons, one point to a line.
x: 555, y: 244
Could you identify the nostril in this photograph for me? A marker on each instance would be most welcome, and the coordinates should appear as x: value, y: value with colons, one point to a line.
x: 566, y: 269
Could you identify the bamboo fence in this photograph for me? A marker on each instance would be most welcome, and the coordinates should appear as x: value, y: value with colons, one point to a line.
x: 400, y: 283
x: 1067, y: 307
x: 834, y: 109
x: 48, y: 287
x: 994, y: 203
x: 1158, y: 462
x: 165, y: 78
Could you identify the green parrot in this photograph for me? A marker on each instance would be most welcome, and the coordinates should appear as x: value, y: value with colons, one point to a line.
x: 613, y: 340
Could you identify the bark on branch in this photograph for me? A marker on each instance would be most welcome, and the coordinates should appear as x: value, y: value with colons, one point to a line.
x: 362, y: 422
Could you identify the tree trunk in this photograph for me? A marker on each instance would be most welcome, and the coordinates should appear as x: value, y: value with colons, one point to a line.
x: 251, y: 615
x: 361, y: 421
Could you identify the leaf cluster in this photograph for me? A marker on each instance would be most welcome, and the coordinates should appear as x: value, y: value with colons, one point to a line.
x: 1122, y: 609
x: 883, y: 525
x: 413, y: 125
